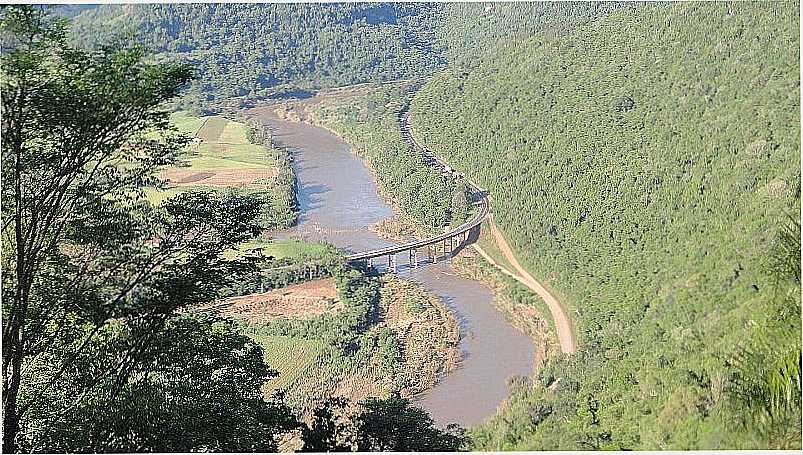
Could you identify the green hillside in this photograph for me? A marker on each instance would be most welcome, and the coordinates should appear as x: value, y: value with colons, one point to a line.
x: 642, y: 164
x: 249, y: 51
x: 244, y: 52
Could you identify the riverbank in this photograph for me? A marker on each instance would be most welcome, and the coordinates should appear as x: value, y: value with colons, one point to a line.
x: 532, y: 315
x: 339, y: 199
x: 401, y: 226
x: 355, y: 338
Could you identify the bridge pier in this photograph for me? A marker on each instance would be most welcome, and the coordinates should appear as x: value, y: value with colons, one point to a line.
x: 413, y: 258
x: 440, y: 247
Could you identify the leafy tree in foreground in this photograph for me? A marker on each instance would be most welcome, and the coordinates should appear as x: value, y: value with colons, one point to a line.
x: 393, y: 424
x: 94, y: 358
x: 390, y: 424
x: 767, y: 382
x: 328, y: 432
x: 197, y: 387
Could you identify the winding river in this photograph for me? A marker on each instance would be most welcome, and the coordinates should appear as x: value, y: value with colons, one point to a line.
x: 338, y: 201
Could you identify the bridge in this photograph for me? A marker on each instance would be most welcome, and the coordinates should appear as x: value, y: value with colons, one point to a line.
x: 449, y: 241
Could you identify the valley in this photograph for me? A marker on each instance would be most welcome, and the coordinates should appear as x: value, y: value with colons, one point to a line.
x: 408, y: 227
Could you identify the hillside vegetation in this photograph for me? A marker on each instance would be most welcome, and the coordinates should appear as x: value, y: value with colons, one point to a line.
x: 268, y: 50
x: 642, y: 165
x: 246, y: 52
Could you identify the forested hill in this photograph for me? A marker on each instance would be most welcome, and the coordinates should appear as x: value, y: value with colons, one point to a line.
x: 248, y: 51
x: 467, y: 31
x: 645, y: 164
x: 243, y: 50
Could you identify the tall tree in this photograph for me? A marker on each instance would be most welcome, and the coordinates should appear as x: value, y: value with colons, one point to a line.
x: 374, y: 425
x: 92, y: 274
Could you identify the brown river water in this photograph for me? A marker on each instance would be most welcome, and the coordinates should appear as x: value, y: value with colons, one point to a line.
x: 338, y: 200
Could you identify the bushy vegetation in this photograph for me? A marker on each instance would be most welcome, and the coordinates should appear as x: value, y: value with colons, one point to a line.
x: 642, y: 164
x: 389, y: 424
x: 468, y: 31
x: 265, y: 267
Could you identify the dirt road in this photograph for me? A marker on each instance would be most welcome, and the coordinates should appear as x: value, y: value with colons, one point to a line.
x: 563, y: 326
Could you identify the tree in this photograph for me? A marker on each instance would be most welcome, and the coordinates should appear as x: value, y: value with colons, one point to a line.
x: 374, y: 425
x: 92, y: 273
x: 197, y: 386
x: 392, y: 424
x: 330, y: 430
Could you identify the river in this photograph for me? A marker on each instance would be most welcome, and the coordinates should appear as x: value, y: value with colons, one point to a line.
x: 338, y: 200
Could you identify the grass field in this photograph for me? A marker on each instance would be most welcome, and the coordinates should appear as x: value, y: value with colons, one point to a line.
x: 290, y: 357
x: 281, y: 249
x: 186, y: 123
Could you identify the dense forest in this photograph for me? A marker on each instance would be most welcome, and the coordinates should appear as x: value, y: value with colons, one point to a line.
x: 251, y: 51
x: 245, y: 52
x: 645, y: 164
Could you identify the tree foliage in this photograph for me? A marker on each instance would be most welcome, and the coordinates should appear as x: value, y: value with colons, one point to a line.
x: 378, y: 425
x: 641, y: 164
x: 93, y: 274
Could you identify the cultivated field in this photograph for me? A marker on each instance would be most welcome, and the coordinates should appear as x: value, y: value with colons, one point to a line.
x: 220, y: 156
x: 300, y: 301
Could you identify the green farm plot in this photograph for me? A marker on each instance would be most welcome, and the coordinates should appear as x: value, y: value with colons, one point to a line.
x: 223, y: 147
x: 212, y: 128
x: 290, y: 357
x: 282, y: 249
x: 233, y: 133
x: 156, y: 197
x: 222, y: 156
x: 187, y: 123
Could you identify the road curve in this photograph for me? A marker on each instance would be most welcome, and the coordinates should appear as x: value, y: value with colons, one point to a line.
x: 563, y: 325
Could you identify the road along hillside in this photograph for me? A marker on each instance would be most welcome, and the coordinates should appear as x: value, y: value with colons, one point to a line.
x: 563, y: 325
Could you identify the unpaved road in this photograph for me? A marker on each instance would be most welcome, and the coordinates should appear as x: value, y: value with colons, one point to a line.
x: 562, y: 325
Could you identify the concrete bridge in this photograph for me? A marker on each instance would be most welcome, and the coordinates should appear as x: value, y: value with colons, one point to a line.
x: 422, y: 251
